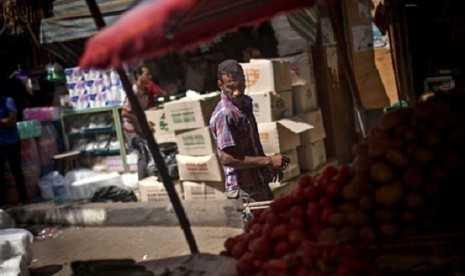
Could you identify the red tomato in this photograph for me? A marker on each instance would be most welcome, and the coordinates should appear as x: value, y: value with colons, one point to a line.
x: 298, y: 196
x: 296, y: 224
x: 334, y: 189
x: 330, y: 171
x: 267, y: 228
x: 280, y: 232
x: 326, y: 214
x: 229, y: 243
x: 260, y: 248
x: 296, y: 212
x: 256, y: 230
x: 273, y: 218
x: 313, y: 213
x: 315, y: 230
x: 304, y: 181
x: 312, y: 193
x: 239, y: 249
x: 245, y: 265
x: 296, y: 237
x: 282, y: 248
x: 281, y: 204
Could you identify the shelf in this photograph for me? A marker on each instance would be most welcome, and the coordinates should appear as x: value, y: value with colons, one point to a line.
x: 101, y: 152
x: 92, y: 131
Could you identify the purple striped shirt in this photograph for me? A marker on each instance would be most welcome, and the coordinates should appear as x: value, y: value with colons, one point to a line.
x: 235, y: 127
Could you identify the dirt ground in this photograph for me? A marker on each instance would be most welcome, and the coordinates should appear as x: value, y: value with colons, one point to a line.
x: 56, y: 248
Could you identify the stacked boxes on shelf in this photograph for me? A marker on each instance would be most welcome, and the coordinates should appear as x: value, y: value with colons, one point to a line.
x: 94, y: 88
x: 286, y: 109
x: 312, y: 152
x: 268, y: 83
x: 200, y: 170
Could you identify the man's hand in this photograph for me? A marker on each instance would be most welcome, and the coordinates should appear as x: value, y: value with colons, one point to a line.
x: 279, y: 162
x: 151, y: 126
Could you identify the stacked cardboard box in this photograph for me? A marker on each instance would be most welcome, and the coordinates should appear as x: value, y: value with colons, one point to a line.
x: 286, y: 107
x: 200, y: 170
x: 312, y: 152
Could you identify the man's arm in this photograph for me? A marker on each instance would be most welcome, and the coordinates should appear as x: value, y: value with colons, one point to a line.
x: 9, y: 121
x: 232, y: 157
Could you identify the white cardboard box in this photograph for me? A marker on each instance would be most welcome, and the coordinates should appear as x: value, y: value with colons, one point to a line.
x: 301, y: 66
x: 318, y: 132
x: 287, y: 96
x: 268, y: 106
x: 151, y: 189
x: 200, y: 168
x: 197, y: 141
x: 203, y: 190
x: 304, y: 98
x: 267, y: 75
x: 312, y: 156
x: 189, y: 113
x: 163, y: 132
x: 278, y: 136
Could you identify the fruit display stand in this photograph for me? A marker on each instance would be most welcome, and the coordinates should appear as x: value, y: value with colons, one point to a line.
x: 395, y: 210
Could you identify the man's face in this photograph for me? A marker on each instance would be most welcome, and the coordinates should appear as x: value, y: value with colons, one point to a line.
x: 146, y: 72
x: 232, y: 86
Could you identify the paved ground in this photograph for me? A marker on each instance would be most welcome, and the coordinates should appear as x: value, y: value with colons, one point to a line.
x: 67, y: 244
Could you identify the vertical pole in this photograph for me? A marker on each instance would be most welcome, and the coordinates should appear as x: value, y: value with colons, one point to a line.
x: 153, y: 146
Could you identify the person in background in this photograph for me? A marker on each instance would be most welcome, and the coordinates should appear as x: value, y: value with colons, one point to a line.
x: 133, y: 131
x: 247, y: 170
x: 250, y: 53
x: 10, y: 149
x: 154, y: 91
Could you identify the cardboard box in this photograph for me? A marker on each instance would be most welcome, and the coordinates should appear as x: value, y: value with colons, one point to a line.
x: 278, y: 136
x: 151, y: 189
x: 189, y: 113
x: 200, y: 168
x: 163, y: 132
x: 268, y: 106
x: 267, y: 75
x: 304, y: 98
x: 203, y: 190
x: 318, y: 132
x: 195, y: 142
x: 312, y: 156
x: 287, y: 97
x: 293, y: 168
x: 301, y: 66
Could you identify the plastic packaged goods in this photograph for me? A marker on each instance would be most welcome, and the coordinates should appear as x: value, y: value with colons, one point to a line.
x: 15, y: 242
x: 84, y: 188
x: 14, y: 266
x: 53, y: 186
x: 5, y: 220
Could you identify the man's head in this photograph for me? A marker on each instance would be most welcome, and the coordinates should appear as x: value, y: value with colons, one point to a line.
x: 144, y: 71
x: 231, y: 79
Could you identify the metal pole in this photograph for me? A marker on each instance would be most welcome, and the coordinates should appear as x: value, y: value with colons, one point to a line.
x: 153, y: 146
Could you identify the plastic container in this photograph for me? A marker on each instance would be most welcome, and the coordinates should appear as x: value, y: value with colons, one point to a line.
x: 29, y: 129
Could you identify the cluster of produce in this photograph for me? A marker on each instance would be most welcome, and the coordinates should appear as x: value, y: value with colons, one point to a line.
x: 409, y: 170
x: 406, y: 179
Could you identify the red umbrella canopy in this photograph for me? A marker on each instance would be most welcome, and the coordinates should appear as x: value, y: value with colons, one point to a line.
x: 155, y: 27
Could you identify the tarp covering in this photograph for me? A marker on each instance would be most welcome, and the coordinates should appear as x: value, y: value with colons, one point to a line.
x: 305, y: 23
x: 72, y: 19
x: 159, y: 26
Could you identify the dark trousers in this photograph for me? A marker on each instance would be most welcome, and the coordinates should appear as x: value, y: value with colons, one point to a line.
x: 145, y: 163
x: 12, y: 154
